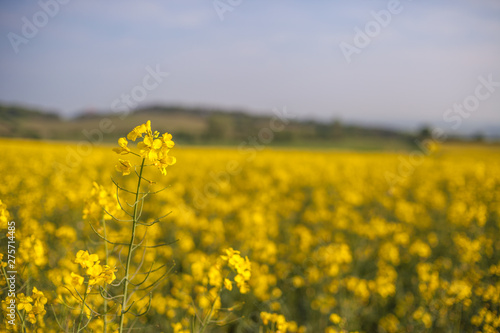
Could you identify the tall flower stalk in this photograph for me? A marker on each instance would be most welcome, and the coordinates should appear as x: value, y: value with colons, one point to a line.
x: 153, y: 148
x: 131, y: 248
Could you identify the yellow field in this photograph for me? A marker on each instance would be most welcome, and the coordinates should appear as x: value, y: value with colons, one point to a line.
x: 336, y: 240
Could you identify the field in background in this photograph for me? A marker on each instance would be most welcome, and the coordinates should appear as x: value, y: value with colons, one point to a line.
x: 386, y: 244
x: 207, y: 127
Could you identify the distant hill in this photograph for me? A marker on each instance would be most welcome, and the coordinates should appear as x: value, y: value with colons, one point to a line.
x: 16, y: 121
x: 199, y: 126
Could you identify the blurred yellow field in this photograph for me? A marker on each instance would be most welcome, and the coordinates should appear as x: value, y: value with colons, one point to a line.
x: 328, y: 241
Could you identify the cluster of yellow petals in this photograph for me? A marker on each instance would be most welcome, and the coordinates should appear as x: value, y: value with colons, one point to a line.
x: 34, y: 305
x: 124, y: 167
x: 2, y: 263
x: 98, y: 274
x: 279, y: 322
x: 4, y: 215
x: 101, y: 204
x: 154, y: 147
x: 242, y: 266
x: 85, y: 259
x: 178, y: 328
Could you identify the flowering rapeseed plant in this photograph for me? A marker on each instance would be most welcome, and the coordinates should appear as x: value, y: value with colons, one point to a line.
x: 95, y: 274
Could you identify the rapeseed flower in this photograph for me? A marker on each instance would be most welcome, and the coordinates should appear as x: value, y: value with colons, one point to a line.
x: 154, y: 147
x: 34, y: 305
x: 76, y: 280
x: 241, y: 265
x: 85, y: 259
x: 24, y: 302
x: 124, y: 167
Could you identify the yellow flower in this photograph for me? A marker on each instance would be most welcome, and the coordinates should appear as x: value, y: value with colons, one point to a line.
x: 2, y: 263
x: 124, y: 167
x: 101, y: 274
x: 85, y: 259
x: 4, y: 216
x: 229, y: 253
x: 228, y: 284
x: 177, y: 327
x: 122, y: 142
x: 138, y: 131
x: 241, y: 265
x: 109, y: 274
x: 335, y: 318
x: 31, y: 318
x: 153, y: 147
x: 278, y: 321
x: 241, y: 283
x: 214, y: 277
x: 33, y: 250
x: 24, y: 302
x: 149, y: 147
x: 265, y: 316
x: 39, y: 305
x: 164, y: 162
x: 100, y: 205
x: 167, y: 140
x: 94, y: 273
x: 76, y: 280
x: 38, y: 296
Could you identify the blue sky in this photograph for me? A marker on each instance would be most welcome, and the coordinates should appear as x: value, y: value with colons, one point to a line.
x: 262, y: 55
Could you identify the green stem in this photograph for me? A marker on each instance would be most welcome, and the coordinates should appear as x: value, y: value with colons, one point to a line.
x: 130, y: 249
x: 105, y: 321
x: 83, y: 306
x: 24, y: 321
x: 208, y: 318
x: 23, y: 324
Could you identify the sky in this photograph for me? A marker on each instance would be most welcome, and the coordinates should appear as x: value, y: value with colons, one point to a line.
x: 398, y: 63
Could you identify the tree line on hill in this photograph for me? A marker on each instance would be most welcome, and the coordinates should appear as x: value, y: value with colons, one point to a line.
x: 203, y: 126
